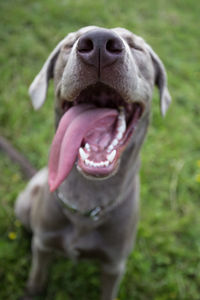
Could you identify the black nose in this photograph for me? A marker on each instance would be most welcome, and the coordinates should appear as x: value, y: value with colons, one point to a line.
x: 100, y: 48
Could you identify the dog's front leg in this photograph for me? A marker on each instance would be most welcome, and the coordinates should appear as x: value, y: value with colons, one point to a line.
x: 110, y: 279
x: 38, y: 273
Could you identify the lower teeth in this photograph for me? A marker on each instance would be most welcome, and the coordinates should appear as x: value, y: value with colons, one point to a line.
x: 96, y: 165
x: 106, y: 163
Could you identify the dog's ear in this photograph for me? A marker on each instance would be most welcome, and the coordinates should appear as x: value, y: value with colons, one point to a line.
x: 39, y: 86
x: 160, y: 81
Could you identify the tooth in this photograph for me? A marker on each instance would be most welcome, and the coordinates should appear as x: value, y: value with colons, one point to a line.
x: 91, y: 163
x: 106, y: 163
x: 115, y: 142
x: 83, y: 155
x: 122, y: 119
x: 123, y: 127
x: 87, y: 147
x: 111, y: 156
x: 122, y: 124
x: 110, y: 148
x: 119, y: 135
x: 87, y: 162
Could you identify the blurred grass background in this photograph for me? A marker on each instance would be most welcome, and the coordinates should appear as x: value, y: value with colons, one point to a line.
x: 165, y: 264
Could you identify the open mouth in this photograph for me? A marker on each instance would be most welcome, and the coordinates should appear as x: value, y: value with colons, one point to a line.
x: 93, y: 132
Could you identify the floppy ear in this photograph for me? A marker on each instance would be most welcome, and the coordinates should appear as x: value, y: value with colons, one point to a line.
x: 39, y: 86
x: 161, y: 81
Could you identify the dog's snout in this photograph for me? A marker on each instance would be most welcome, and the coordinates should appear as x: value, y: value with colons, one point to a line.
x: 100, y: 48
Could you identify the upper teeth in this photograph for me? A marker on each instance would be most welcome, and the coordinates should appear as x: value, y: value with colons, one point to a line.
x: 121, y: 128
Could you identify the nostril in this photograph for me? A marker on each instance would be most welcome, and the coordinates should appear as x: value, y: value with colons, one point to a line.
x: 85, y: 45
x: 114, y: 46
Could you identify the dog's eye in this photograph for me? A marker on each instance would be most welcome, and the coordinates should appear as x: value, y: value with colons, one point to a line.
x: 68, y: 46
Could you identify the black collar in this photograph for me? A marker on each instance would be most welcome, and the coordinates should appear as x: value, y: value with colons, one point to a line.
x: 93, y: 214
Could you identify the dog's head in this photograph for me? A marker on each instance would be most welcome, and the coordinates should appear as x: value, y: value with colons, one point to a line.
x: 104, y: 82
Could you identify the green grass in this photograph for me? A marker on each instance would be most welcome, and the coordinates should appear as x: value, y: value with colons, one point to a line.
x: 166, y: 262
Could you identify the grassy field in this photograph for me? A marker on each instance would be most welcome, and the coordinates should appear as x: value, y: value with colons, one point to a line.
x: 165, y: 264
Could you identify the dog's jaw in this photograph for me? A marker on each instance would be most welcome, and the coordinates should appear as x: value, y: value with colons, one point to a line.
x: 103, y: 161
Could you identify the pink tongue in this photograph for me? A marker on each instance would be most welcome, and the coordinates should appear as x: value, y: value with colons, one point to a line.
x: 73, y: 126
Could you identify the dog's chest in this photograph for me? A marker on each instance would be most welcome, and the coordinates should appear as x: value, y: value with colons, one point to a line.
x: 73, y: 241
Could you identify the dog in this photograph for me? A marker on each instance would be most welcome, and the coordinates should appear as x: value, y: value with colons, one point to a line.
x: 85, y: 204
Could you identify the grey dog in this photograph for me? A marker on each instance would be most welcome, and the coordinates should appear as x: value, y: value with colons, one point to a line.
x: 86, y: 203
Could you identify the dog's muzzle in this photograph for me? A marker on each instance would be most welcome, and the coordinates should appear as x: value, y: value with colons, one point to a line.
x: 100, y: 48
